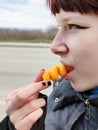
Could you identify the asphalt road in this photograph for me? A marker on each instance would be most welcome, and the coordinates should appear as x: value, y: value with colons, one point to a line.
x: 19, y: 64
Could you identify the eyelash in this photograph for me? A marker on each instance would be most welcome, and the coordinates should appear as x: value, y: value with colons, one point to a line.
x: 74, y: 26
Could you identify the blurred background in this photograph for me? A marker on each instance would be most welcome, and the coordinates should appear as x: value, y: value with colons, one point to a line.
x: 27, y: 29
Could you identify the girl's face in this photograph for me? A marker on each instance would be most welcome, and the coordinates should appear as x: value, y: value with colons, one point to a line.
x: 77, y: 45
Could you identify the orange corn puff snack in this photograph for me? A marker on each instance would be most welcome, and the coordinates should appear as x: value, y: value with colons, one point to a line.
x: 55, y: 73
x: 46, y: 76
x: 63, y: 70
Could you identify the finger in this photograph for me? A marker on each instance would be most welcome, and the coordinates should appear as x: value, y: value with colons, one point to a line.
x: 39, y: 76
x: 27, y: 109
x: 37, y: 79
x: 31, y: 89
x: 28, y: 121
x: 12, y: 94
x: 9, y: 106
x: 20, y: 98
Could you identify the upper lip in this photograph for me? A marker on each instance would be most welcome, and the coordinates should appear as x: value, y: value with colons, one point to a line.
x: 69, y: 67
x: 65, y: 64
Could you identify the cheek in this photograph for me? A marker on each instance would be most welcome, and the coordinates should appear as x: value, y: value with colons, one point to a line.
x: 85, y: 51
x: 85, y: 57
x: 86, y: 46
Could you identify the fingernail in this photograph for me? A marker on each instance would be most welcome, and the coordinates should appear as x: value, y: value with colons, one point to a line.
x: 49, y: 83
x: 46, y: 83
x: 43, y: 83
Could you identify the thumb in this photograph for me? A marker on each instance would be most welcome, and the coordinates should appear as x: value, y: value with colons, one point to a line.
x: 39, y: 76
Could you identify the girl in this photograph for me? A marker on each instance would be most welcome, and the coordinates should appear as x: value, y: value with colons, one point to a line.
x: 73, y: 104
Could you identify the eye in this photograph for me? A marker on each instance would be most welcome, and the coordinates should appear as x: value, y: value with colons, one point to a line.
x: 74, y: 26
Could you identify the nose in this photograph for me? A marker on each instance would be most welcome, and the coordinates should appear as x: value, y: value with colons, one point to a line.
x: 59, y: 45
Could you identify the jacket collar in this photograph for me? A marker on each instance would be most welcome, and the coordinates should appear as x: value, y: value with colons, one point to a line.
x: 65, y: 94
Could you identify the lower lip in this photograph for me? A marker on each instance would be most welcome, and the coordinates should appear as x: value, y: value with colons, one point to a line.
x: 68, y: 76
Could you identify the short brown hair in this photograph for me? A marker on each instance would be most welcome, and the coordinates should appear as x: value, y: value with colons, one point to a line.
x: 81, y: 6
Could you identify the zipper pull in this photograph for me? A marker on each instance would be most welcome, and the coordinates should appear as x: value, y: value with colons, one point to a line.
x: 87, y: 113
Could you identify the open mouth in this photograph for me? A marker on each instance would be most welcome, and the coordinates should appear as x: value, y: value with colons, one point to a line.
x: 69, y: 68
x: 56, y: 72
x: 65, y: 69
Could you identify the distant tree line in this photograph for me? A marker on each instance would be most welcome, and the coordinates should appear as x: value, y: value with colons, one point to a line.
x: 27, y: 35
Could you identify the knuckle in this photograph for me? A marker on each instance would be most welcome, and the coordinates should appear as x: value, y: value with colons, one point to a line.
x: 32, y: 119
x: 7, y: 109
x: 41, y: 110
x: 17, y: 127
x: 42, y: 101
x: 35, y: 116
x: 31, y: 105
x: 12, y: 119
x: 19, y: 97
x: 35, y: 104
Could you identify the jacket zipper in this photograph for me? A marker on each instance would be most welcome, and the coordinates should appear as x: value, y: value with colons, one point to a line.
x: 87, y: 104
x: 87, y: 113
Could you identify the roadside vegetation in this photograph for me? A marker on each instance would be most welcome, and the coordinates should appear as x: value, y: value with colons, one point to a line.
x: 34, y: 36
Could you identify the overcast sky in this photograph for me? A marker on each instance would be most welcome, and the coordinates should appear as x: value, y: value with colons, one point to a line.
x: 25, y: 14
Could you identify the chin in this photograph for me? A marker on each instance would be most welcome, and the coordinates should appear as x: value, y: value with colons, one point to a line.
x: 78, y: 87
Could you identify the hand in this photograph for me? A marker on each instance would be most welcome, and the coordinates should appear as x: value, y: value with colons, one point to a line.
x: 23, y: 105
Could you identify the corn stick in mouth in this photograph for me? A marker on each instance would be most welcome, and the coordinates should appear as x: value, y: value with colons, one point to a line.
x: 55, y: 72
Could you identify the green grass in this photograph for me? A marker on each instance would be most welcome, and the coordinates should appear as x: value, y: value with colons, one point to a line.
x: 30, y: 41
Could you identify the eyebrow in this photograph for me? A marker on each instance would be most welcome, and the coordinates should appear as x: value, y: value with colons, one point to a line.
x: 69, y: 18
